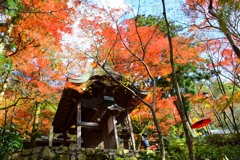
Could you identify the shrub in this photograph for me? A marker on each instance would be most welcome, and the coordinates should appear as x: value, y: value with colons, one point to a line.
x: 10, y: 141
x: 177, y: 150
x: 215, y: 147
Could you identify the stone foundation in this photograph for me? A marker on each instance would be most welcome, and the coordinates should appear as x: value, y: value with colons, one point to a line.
x: 74, y: 153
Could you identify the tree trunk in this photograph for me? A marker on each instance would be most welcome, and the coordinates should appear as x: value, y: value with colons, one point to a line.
x: 160, y: 136
x: 186, y: 128
x: 174, y: 78
x: 234, y: 120
x: 5, y: 122
x: 34, y: 133
x: 189, y: 122
x: 232, y: 113
x: 4, y: 87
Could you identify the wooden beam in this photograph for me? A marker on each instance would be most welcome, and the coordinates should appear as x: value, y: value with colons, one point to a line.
x: 92, y: 125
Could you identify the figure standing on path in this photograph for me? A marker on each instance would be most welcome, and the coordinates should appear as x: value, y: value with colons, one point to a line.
x: 145, y: 141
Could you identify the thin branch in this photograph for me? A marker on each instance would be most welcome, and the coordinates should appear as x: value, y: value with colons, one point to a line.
x: 14, y: 104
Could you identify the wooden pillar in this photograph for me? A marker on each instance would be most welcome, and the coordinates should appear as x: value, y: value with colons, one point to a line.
x: 106, y: 136
x: 79, y: 133
x: 51, y: 137
x: 112, y: 138
x: 115, y: 131
x: 131, y: 131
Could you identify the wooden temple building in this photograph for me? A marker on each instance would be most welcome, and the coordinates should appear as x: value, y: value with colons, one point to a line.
x: 97, y: 111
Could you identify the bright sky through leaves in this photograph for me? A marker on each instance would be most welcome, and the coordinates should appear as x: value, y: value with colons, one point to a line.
x: 81, y: 40
x: 148, y: 7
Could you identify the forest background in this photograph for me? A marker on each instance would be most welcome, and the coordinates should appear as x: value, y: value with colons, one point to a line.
x: 186, y: 55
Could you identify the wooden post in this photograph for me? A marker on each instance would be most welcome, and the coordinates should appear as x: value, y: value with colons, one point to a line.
x: 79, y: 134
x: 51, y: 137
x: 106, y: 136
x: 131, y: 131
x: 112, y: 133
x: 115, y: 131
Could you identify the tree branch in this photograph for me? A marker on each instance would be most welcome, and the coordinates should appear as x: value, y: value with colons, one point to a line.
x: 14, y: 104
